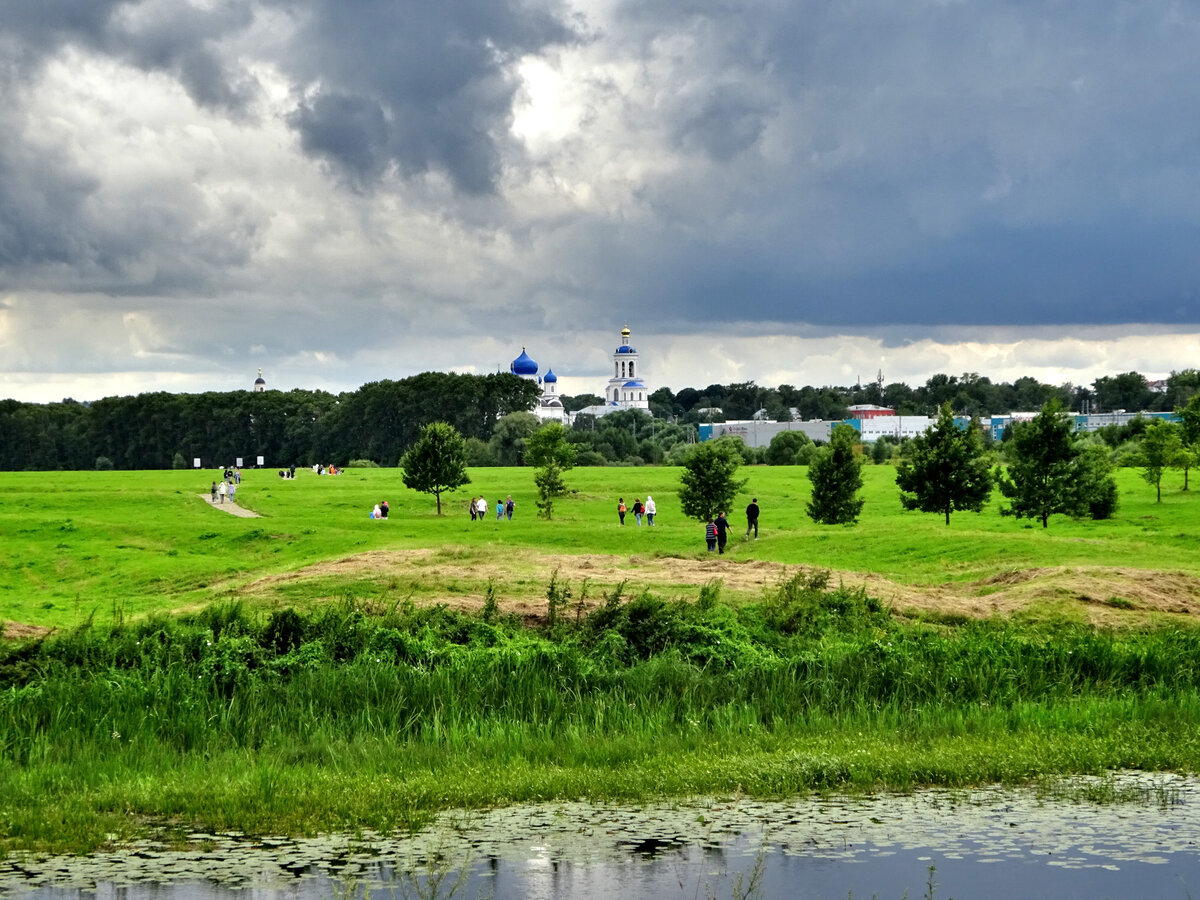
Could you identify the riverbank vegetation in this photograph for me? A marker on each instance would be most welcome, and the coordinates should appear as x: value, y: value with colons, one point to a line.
x: 370, y: 713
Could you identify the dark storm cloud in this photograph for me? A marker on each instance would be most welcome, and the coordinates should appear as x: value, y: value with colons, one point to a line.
x: 350, y: 130
x: 923, y: 162
x: 176, y: 38
x: 723, y: 123
x: 39, y: 199
x: 422, y: 86
x: 59, y: 230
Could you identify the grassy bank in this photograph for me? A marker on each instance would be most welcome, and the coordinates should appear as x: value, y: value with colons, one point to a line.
x: 358, y: 714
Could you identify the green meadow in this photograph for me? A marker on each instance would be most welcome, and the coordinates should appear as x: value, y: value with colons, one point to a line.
x: 170, y: 665
x: 81, y: 546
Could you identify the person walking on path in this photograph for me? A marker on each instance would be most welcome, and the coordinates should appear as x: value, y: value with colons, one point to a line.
x: 481, y: 509
x: 509, y: 506
x: 221, y: 491
x: 621, y: 509
x: 214, y: 492
x: 231, y: 490
x: 499, y: 509
x: 638, y: 510
x: 651, y: 509
x: 722, y: 524
x: 710, y: 535
x: 752, y: 518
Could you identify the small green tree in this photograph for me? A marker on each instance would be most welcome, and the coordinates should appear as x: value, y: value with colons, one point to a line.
x: 437, y: 462
x: 1050, y: 471
x: 708, y: 484
x: 549, y: 450
x: 836, y: 476
x: 1189, y: 434
x: 1095, y: 488
x: 1160, y: 446
x: 881, y: 450
x: 946, y: 469
x: 1187, y: 459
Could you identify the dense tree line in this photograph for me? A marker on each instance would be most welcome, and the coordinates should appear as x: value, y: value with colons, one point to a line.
x: 379, y: 421
x: 969, y: 394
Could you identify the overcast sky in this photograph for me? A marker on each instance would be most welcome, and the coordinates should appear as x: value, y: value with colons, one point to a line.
x: 784, y: 191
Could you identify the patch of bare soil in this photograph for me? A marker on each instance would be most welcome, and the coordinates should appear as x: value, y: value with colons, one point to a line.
x: 19, y: 630
x: 1100, y: 595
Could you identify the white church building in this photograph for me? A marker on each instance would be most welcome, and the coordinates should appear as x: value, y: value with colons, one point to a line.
x: 625, y: 389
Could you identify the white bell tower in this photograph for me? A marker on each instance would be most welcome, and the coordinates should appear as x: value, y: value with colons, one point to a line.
x: 626, y: 390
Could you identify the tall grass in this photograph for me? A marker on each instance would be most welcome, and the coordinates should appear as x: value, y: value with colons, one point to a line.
x: 352, y: 714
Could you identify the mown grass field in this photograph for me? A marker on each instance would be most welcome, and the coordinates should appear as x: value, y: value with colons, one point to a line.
x: 88, y: 544
x: 315, y: 670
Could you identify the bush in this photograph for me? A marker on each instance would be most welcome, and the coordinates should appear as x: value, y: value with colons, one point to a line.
x: 590, y: 458
x: 362, y: 464
x: 103, y: 464
x: 178, y: 462
x: 479, y: 453
x: 804, y: 603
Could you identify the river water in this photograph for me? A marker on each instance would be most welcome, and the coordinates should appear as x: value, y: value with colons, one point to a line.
x: 967, y: 844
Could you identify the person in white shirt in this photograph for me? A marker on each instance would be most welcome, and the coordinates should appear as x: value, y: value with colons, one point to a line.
x: 651, y: 509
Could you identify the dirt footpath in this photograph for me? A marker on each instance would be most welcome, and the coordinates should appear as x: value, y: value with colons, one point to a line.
x: 230, y: 507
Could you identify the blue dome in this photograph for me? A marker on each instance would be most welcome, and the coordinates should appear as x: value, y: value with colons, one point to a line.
x: 625, y: 348
x: 550, y: 378
x: 523, y: 365
x: 633, y: 384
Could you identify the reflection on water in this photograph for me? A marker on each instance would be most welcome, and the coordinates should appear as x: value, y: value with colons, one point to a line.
x: 985, y: 843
